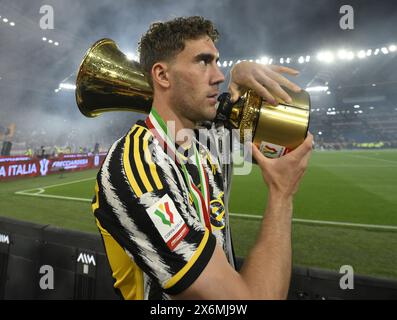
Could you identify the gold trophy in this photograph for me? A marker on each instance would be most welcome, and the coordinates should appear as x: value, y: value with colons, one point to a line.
x: 108, y: 81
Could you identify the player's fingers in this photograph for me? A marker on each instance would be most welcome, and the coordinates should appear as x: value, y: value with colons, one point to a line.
x: 284, y: 81
x: 276, y: 89
x: 262, y: 91
x: 234, y: 92
x: 258, y: 156
x: 304, y: 148
x: 283, y: 69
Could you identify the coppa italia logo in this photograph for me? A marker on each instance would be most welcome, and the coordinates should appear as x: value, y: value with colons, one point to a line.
x: 269, y: 149
x: 168, y: 221
x: 165, y: 213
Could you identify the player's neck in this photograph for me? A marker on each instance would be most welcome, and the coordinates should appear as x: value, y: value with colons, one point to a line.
x: 179, y: 122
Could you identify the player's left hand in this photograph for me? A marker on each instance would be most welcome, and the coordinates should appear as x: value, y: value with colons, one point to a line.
x: 265, y: 80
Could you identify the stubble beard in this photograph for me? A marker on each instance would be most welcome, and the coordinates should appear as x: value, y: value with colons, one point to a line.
x: 194, y: 112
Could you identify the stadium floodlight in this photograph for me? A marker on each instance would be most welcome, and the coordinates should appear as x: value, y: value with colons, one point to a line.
x: 270, y: 61
x: 288, y: 60
x: 238, y: 61
x: 218, y: 63
x: 282, y: 60
x: 56, y: 90
x: 12, y: 24
x: 356, y: 106
x: 258, y: 61
x: 376, y: 51
x: 251, y: 60
x: 342, y: 54
x: 56, y: 43
x: 384, y: 50
x: 328, y: 92
x: 369, y: 52
x: 392, y: 48
x: 224, y: 64
x: 5, y: 20
x: 374, y: 84
x: 361, y: 54
x: 350, y: 55
x: 307, y: 59
x: 301, y: 59
x: 320, y: 133
x: 317, y: 89
x: 371, y: 108
x: 50, y: 41
x: 44, y: 39
x: 67, y: 86
x: 264, y: 60
x: 325, y: 56
x: 230, y: 63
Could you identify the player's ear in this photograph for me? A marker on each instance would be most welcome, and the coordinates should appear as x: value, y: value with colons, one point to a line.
x: 160, y: 74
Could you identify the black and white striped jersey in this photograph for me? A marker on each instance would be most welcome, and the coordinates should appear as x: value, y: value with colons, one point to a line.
x: 154, y: 239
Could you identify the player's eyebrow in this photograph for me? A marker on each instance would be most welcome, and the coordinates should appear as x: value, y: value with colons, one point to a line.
x: 207, y: 57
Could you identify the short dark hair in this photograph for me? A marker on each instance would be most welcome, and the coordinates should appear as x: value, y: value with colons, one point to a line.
x: 164, y: 40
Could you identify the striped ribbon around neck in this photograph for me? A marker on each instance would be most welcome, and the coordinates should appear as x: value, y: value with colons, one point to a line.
x: 200, y: 196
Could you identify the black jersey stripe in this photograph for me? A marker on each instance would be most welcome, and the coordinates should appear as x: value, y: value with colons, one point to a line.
x: 129, y: 166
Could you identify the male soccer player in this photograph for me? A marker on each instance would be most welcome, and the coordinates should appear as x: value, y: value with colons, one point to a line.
x: 161, y: 199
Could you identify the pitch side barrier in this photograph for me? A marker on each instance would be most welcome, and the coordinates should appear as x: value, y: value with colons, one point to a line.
x: 12, y: 167
x: 44, y: 262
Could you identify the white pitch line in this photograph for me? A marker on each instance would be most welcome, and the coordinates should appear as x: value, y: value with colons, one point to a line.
x: 55, y: 185
x: 344, y: 224
x: 371, y: 158
x: 52, y: 196
x: 70, y: 182
x: 240, y: 215
x: 39, y: 190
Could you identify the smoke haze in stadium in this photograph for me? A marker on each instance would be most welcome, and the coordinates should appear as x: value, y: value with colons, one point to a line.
x: 30, y: 69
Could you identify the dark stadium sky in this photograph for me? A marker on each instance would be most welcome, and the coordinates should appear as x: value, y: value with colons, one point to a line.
x: 31, y: 69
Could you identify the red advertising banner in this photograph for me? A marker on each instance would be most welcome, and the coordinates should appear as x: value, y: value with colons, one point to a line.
x: 22, y: 166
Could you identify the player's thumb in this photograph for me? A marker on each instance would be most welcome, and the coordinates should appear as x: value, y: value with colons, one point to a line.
x: 257, y: 155
x: 234, y: 92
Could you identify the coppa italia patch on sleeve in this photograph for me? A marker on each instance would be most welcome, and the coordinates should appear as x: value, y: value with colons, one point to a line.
x: 168, y: 221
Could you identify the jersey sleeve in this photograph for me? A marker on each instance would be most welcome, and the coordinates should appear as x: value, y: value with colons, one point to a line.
x: 142, y: 202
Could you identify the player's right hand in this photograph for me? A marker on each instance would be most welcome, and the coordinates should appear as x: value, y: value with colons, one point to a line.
x: 283, y: 175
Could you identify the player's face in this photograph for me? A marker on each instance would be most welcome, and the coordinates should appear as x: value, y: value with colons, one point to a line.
x: 194, y: 78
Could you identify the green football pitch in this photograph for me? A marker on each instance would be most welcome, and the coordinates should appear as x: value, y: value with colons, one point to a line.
x: 345, y: 212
